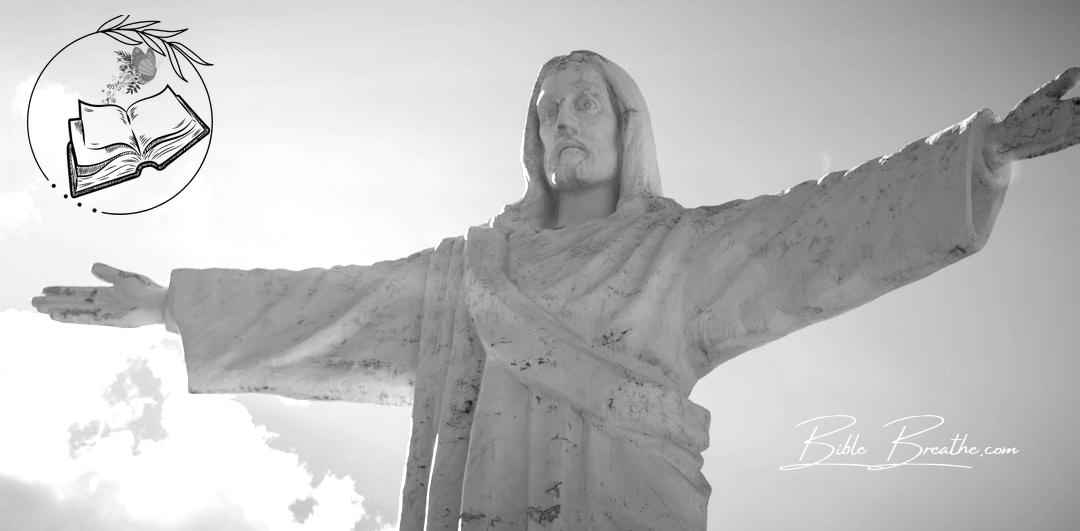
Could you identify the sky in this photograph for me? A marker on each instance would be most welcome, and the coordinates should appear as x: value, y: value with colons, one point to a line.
x: 348, y: 133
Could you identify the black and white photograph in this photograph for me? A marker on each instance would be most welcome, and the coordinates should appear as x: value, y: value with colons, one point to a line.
x: 371, y: 266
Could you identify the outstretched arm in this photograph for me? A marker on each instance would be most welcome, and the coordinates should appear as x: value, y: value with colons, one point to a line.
x: 766, y: 267
x: 343, y: 333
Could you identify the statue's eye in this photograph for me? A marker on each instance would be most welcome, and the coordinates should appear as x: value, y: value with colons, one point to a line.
x: 588, y: 105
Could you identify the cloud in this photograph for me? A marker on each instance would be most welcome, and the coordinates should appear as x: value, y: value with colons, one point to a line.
x: 100, y: 432
x: 52, y: 106
x: 17, y: 206
x: 22, y: 97
x: 17, y: 211
x: 54, y: 103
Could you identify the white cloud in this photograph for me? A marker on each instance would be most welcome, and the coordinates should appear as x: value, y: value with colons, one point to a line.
x: 17, y: 206
x: 21, y: 97
x: 289, y: 402
x: 101, y: 432
x: 53, y: 104
x: 17, y: 210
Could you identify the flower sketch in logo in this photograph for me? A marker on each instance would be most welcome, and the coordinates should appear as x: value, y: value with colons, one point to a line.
x: 119, y: 120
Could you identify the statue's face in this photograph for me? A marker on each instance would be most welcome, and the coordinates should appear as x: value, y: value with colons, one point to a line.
x: 578, y: 128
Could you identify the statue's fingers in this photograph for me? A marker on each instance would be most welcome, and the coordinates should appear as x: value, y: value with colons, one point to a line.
x: 50, y: 303
x: 41, y: 304
x: 106, y: 272
x: 79, y: 315
x: 1062, y: 84
x: 71, y: 291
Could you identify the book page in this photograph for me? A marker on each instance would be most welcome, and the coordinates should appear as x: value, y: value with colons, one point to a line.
x: 105, y: 125
x: 84, y: 155
x: 117, y: 168
x: 162, y: 150
x: 86, y: 176
x: 158, y: 117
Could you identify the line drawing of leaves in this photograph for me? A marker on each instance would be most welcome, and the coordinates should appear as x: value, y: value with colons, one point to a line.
x: 156, y: 39
x: 175, y: 64
x: 154, y: 42
x: 138, y: 25
x: 164, y: 34
x: 176, y: 52
x: 107, y: 22
x: 190, y: 54
x: 131, y: 34
x: 121, y: 38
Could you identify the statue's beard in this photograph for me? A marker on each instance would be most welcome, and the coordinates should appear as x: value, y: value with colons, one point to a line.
x: 566, y: 179
x: 568, y: 170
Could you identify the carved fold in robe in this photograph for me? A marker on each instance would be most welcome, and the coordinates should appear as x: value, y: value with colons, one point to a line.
x: 549, y: 370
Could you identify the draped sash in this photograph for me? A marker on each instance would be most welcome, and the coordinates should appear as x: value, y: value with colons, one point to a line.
x: 517, y: 422
x: 567, y: 436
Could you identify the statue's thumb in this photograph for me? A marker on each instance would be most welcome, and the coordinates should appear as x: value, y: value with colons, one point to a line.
x: 106, y: 273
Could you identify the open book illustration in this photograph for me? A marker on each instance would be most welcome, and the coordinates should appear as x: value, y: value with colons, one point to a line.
x: 109, y: 144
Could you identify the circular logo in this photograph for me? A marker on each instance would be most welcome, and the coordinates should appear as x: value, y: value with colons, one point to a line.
x: 120, y: 120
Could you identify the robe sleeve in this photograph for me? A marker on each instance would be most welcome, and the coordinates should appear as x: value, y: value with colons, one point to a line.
x: 763, y: 268
x: 343, y: 333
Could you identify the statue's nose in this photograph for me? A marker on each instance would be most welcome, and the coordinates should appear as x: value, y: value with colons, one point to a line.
x: 566, y: 122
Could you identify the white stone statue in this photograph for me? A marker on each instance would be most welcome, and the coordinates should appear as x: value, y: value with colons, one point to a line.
x: 549, y: 354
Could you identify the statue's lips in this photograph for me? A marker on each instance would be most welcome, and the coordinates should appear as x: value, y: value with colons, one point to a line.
x: 565, y: 149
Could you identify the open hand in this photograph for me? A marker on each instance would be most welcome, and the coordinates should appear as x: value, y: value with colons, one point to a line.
x: 1040, y: 124
x: 132, y: 300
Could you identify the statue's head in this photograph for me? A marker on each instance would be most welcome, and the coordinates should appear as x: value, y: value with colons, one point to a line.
x: 586, y: 125
x: 578, y: 127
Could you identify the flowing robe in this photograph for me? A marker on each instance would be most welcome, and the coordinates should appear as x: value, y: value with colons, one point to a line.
x: 548, y: 370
